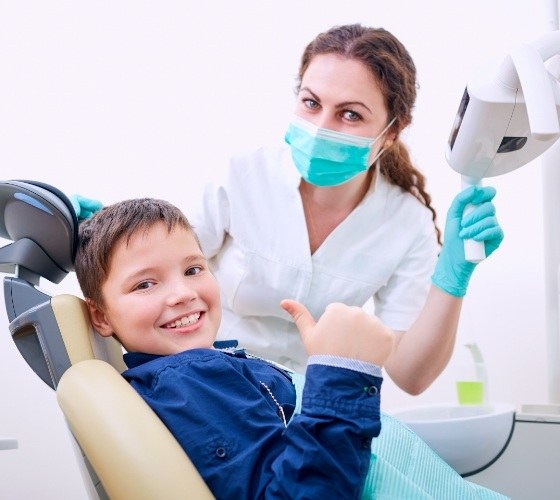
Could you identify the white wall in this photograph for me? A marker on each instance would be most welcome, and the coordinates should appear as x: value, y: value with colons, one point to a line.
x: 128, y: 98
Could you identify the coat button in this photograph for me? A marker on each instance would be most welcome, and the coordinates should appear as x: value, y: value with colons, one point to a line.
x: 372, y: 390
x: 221, y: 452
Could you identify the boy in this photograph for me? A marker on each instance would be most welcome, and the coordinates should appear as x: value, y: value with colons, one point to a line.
x: 147, y: 282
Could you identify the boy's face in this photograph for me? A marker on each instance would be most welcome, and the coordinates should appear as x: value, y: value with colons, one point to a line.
x: 160, y: 297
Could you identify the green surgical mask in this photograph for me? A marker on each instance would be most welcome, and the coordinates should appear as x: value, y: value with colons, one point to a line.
x: 325, y: 157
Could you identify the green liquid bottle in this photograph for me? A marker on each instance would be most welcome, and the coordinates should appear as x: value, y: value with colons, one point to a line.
x: 470, y: 392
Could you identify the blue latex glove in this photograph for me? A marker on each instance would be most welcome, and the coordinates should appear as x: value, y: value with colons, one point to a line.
x: 453, y: 272
x: 84, y: 207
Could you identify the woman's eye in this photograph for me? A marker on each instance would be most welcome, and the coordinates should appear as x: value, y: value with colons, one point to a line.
x: 351, y: 115
x: 310, y: 103
x: 192, y: 271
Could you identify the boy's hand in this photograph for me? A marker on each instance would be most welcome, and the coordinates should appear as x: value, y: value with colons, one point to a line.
x: 344, y: 331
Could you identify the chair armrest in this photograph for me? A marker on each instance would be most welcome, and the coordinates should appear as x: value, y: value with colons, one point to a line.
x: 128, y: 446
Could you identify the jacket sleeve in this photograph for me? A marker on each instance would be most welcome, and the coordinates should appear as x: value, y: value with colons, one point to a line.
x: 328, y: 446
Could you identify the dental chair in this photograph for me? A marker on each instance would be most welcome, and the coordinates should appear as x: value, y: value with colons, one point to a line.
x: 127, y: 451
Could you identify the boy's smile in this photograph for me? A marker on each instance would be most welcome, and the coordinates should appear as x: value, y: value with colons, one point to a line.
x: 160, y: 297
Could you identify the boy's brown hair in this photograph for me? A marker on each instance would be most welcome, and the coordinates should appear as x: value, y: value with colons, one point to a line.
x: 99, y: 235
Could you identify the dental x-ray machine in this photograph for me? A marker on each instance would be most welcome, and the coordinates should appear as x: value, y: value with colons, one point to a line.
x: 506, y: 118
x: 509, y: 116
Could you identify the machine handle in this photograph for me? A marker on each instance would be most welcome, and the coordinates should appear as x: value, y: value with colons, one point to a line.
x: 475, y: 251
x: 525, y: 68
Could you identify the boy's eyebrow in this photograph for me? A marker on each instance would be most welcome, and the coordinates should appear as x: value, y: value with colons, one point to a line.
x: 195, y: 257
x: 189, y: 259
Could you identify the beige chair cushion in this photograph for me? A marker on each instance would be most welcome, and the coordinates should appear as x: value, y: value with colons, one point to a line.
x: 130, y: 449
x: 79, y: 338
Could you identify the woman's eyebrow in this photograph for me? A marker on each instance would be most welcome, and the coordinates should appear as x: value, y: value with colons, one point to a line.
x: 345, y: 104
x: 313, y: 94
x: 339, y: 105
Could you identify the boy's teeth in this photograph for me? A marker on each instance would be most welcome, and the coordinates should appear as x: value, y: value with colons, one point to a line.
x: 184, y: 321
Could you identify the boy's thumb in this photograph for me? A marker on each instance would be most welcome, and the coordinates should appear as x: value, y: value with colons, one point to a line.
x: 301, y: 316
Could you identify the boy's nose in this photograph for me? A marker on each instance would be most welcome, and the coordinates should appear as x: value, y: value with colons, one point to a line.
x: 180, y: 293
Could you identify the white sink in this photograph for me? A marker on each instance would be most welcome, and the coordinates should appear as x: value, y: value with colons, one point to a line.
x: 468, y: 438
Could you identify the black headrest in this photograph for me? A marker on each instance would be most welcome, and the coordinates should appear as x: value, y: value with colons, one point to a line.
x: 41, y: 222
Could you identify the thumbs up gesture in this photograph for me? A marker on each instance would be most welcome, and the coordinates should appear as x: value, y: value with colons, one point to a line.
x: 343, y: 331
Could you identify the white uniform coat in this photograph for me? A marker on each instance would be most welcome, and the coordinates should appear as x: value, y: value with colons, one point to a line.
x: 252, y: 229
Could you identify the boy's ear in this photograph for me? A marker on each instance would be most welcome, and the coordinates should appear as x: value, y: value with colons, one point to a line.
x: 98, y: 319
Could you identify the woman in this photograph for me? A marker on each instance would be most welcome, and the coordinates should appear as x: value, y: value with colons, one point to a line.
x: 340, y: 214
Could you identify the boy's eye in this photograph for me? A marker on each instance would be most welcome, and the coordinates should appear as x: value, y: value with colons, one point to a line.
x: 192, y: 271
x: 144, y: 285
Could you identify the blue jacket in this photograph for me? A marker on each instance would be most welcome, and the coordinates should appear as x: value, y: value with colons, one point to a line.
x: 223, y: 408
